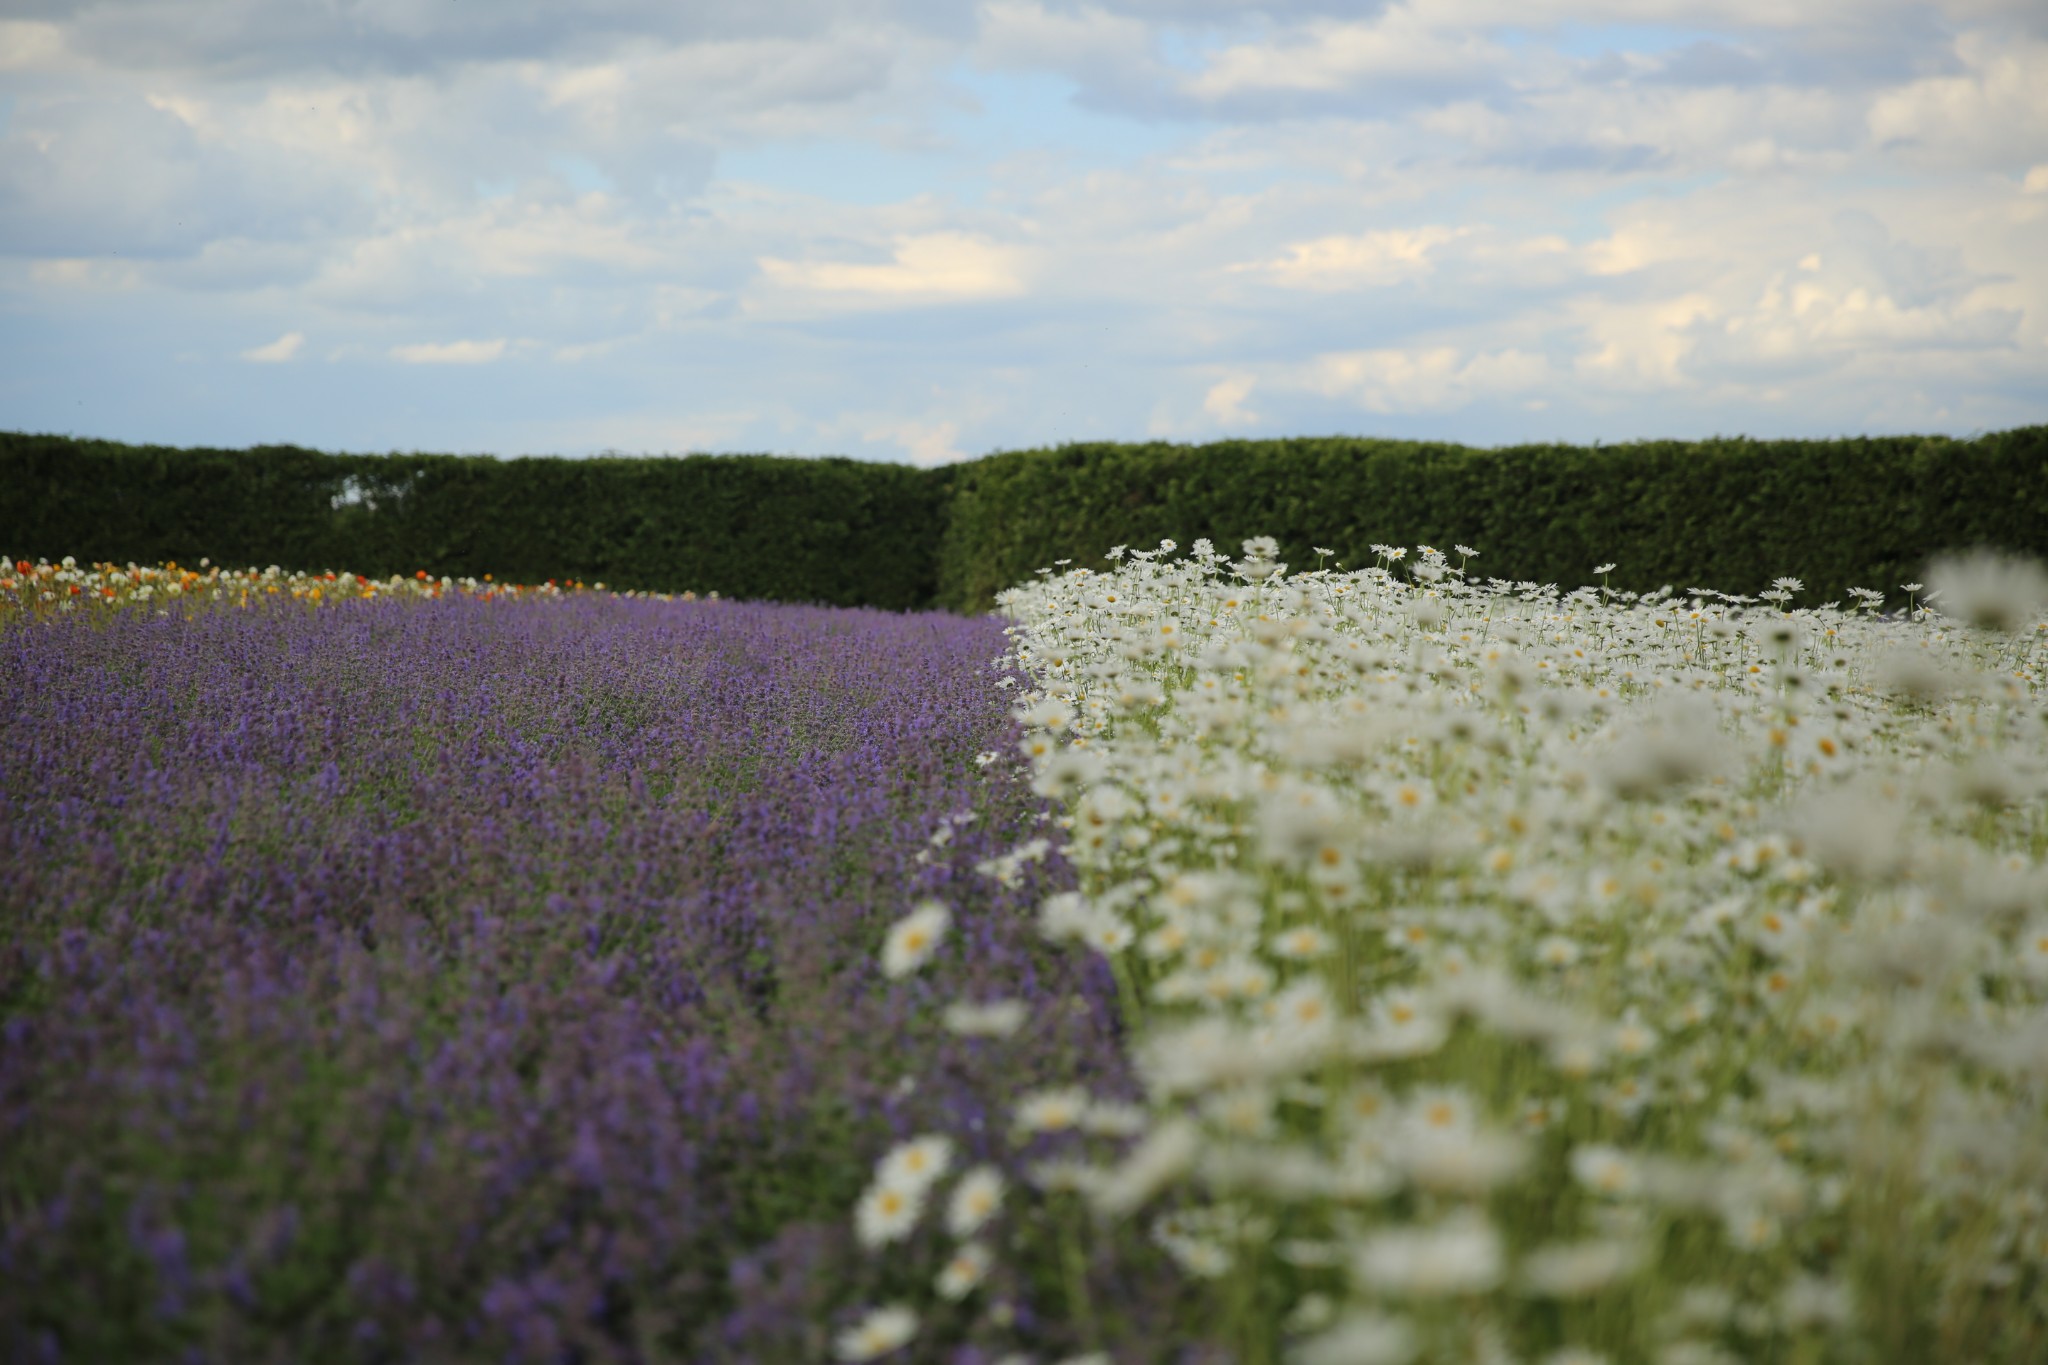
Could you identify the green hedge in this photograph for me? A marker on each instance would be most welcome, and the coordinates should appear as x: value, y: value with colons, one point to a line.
x: 1727, y: 514
x: 837, y: 531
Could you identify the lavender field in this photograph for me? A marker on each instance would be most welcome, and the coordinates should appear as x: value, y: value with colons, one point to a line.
x: 461, y: 979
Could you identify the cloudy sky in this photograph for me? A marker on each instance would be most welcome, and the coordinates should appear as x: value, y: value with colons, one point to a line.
x: 927, y: 229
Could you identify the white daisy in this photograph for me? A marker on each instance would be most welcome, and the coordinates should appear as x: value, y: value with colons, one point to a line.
x: 975, y: 1200
x: 914, y: 938
x: 989, y: 1019
x: 887, y: 1213
x: 883, y: 1330
x: 916, y: 1164
x: 967, y: 1268
x: 1052, y: 1111
x: 1461, y: 1255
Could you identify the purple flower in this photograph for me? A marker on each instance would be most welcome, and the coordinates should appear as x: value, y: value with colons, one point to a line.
x: 467, y: 978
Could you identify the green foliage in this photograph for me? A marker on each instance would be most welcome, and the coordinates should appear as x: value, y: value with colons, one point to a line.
x: 1731, y: 514
x: 835, y: 531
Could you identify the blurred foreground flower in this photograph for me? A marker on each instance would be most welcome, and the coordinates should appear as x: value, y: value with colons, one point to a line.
x: 883, y: 1330
x: 913, y: 939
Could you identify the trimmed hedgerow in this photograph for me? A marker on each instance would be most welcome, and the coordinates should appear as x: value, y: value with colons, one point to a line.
x: 1731, y: 513
x: 1860, y: 511
x: 838, y: 532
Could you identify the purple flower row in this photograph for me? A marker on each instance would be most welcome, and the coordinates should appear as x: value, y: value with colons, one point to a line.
x: 474, y: 980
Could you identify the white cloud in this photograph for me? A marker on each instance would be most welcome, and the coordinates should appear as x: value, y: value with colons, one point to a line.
x: 1423, y: 379
x: 107, y: 171
x: 467, y: 260
x: 278, y: 351
x: 1090, y: 44
x: 1992, y: 114
x: 598, y: 88
x: 1708, y: 14
x: 1225, y: 402
x: 1581, y: 127
x: 450, y: 353
x: 675, y: 305
x: 537, y: 239
x: 1729, y: 293
x: 29, y: 45
x: 72, y: 272
x: 922, y: 443
x: 1641, y: 345
x: 928, y: 440
x: 1385, y: 257
x: 1396, y: 48
x: 934, y: 267
x: 1821, y: 214
x: 746, y: 89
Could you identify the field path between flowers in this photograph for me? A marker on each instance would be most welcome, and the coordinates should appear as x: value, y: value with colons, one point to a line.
x: 455, y: 979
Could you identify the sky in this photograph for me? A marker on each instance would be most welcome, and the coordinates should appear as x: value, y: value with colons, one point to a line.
x: 922, y: 230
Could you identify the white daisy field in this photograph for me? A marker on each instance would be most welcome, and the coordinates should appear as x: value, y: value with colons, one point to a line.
x: 1526, y: 976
